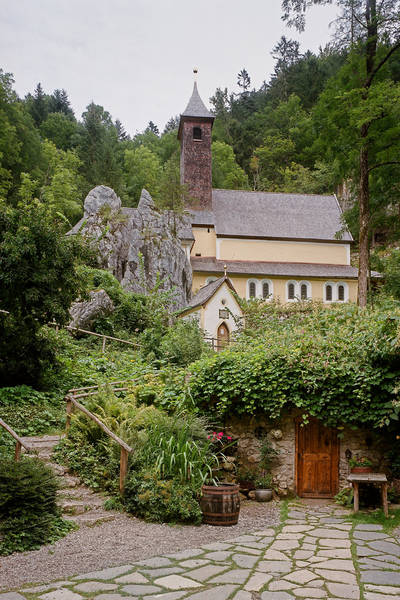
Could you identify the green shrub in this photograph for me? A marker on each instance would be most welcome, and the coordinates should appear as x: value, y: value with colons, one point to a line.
x: 162, y: 501
x: 183, y: 343
x: 29, y: 516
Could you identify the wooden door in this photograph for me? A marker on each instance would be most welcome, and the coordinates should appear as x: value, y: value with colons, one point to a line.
x: 317, y: 461
x: 222, y: 336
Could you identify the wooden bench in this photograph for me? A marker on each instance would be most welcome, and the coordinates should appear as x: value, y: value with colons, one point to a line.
x: 379, y: 478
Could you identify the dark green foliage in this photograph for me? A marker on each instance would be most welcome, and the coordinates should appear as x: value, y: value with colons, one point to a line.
x: 161, y: 501
x: 183, y: 343
x: 38, y: 283
x: 29, y: 516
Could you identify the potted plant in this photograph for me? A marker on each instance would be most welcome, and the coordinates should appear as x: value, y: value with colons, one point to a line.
x: 263, y: 492
x: 246, y: 479
x: 360, y: 465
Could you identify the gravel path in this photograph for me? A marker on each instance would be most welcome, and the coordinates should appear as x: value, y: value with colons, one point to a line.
x: 121, y: 541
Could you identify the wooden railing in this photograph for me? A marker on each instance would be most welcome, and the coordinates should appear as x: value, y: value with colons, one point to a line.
x: 72, y: 403
x: 19, y: 443
x: 101, y: 335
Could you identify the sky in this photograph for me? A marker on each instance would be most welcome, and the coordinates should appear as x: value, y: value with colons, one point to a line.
x: 136, y: 57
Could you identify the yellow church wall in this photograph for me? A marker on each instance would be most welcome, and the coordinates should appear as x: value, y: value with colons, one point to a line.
x: 281, y: 251
x: 279, y: 285
x: 205, y: 241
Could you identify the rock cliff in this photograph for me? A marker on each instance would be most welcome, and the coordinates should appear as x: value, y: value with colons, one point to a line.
x: 125, y: 234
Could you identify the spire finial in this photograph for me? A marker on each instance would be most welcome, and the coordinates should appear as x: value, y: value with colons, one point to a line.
x: 225, y: 267
x: 195, y: 71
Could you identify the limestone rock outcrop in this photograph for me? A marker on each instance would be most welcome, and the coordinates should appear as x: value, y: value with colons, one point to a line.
x: 85, y: 312
x: 129, y: 237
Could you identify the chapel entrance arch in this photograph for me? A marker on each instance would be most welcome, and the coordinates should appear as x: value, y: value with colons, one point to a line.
x: 222, y: 336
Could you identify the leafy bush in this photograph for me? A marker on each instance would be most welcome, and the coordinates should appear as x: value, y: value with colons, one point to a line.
x: 29, y: 516
x: 162, y: 501
x: 172, y: 454
x: 340, y: 364
x: 183, y: 343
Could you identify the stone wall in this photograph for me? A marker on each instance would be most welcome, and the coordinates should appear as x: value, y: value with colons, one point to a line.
x: 282, y: 436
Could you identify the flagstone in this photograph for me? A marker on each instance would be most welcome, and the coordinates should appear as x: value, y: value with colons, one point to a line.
x: 374, y: 596
x: 274, y: 566
x: 139, y: 590
x: 296, y: 528
x: 301, y: 576
x: 217, y: 546
x: 264, y: 532
x: 165, y: 596
x: 160, y: 572
x: 384, y: 589
x: 206, y: 572
x: 109, y: 573
x: 365, y: 551
x: 290, y: 536
x: 369, y: 535
x: 245, y: 560
x: 11, y: 596
x: 95, y: 586
x: 342, y: 590
x: 176, y: 582
x: 155, y: 563
x: 221, y: 555
x: 340, y: 576
x: 274, y: 555
x: 257, y: 581
x: 306, y: 546
x: 316, y: 583
x: 194, y: 562
x: 60, y: 594
x: 131, y: 578
x: 284, y: 545
x: 302, y: 563
x: 329, y: 533
x: 302, y: 554
x: 381, y: 577
x: 257, y: 545
x: 387, y: 558
x: 335, y: 553
x: 281, y: 584
x: 370, y: 563
x: 221, y: 592
x: 232, y: 576
x: 387, y: 547
x: 307, y: 592
x: 276, y: 596
x: 242, y: 595
x: 249, y: 550
x: 186, y: 553
x: 44, y: 588
x: 334, y: 543
x: 368, y: 527
x: 336, y: 564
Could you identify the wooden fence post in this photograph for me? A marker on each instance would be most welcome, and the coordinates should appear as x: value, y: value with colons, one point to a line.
x: 70, y: 408
x: 123, y: 469
x: 17, y: 451
x: 103, y: 349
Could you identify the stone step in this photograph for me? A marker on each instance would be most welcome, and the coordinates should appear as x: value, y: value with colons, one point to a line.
x: 76, y: 493
x: 91, y: 519
x: 69, y: 481
x: 78, y: 507
x: 43, y: 442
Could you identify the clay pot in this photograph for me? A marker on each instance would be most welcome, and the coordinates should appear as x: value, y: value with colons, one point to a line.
x: 263, y: 495
x: 361, y: 470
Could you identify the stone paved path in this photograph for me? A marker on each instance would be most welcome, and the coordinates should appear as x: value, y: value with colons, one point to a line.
x: 315, y: 554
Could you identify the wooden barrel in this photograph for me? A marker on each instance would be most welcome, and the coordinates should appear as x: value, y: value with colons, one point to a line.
x: 220, y: 504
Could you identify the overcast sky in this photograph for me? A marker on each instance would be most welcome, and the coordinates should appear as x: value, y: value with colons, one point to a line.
x: 135, y: 57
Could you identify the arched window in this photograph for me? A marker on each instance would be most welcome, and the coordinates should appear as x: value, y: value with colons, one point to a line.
x: 291, y: 291
x: 328, y: 293
x: 341, y: 292
x: 265, y: 290
x: 252, y: 289
x: 197, y: 133
x: 303, y: 291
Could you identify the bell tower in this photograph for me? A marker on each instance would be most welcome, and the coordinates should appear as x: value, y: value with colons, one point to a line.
x: 195, y: 137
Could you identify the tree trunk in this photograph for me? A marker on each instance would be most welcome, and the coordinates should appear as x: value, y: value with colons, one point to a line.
x: 364, y: 224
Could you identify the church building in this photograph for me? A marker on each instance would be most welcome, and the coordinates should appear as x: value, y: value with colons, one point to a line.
x: 271, y: 245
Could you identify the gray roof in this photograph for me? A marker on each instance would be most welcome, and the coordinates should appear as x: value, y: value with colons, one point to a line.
x: 202, y: 217
x: 274, y: 215
x: 275, y: 269
x: 206, y: 292
x: 196, y: 106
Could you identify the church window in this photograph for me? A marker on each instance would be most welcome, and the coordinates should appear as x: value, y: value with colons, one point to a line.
x: 341, y: 293
x: 291, y: 291
x: 303, y: 291
x: 328, y: 293
x: 197, y: 133
x: 252, y: 289
x: 265, y: 289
